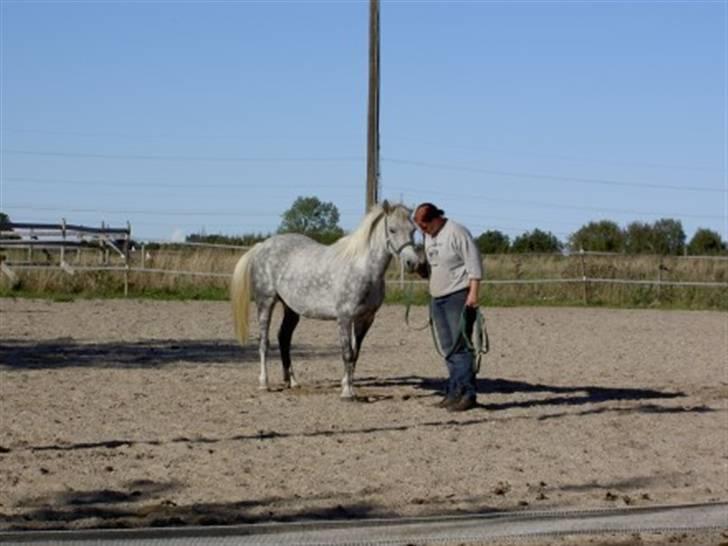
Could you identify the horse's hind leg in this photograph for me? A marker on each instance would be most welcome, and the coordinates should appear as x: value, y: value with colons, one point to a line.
x: 285, y: 333
x: 265, y: 311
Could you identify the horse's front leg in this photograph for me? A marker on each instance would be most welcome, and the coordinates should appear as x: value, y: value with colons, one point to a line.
x: 348, y: 355
x: 361, y: 327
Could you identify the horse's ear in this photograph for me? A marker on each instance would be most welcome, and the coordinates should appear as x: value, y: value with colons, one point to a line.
x: 386, y: 207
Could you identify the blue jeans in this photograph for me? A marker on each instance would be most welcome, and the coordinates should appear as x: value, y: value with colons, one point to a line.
x: 447, y: 312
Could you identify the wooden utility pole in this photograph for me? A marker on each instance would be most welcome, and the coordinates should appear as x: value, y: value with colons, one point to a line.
x: 373, y: 117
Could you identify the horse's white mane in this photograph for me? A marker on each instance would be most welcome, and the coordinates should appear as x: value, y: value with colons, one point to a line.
x: 358, y: 241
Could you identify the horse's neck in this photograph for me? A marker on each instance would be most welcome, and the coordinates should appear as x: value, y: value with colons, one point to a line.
x: 378, y: 259
x: 371, y: 263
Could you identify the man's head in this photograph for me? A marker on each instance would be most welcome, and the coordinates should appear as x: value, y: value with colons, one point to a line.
x: 429, y: 218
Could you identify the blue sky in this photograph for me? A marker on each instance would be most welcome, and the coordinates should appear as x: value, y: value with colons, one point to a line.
x: 187, y: 116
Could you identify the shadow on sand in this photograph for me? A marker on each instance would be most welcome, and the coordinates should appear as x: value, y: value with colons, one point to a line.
x: 147, y: 504
x: 67, y: 353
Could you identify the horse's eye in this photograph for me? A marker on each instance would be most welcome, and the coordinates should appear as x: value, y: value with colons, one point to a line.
x: 392, y: 231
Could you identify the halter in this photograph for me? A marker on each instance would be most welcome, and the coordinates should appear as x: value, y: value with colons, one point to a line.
x: 390, y: 244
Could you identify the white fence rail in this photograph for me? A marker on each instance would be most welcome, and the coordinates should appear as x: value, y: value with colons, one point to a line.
x: 34, y: 239
x: 561, y: 280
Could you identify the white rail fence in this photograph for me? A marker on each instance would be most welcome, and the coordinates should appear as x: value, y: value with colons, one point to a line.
x: 37, y: 240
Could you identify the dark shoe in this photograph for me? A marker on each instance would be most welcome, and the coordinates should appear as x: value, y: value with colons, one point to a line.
x: 463, y: 404
x: 444, y: 403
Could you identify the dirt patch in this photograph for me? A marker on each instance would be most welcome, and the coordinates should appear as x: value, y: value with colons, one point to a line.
x: 129, y: 413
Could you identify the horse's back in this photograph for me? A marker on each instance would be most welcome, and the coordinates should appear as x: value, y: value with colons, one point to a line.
x: 280, y: 250
x: 299, y: 271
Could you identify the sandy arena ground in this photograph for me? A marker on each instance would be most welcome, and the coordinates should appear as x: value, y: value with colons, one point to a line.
x: 138, y: 413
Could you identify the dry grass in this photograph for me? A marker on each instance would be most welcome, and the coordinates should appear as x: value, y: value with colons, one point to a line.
x: 168, y: 278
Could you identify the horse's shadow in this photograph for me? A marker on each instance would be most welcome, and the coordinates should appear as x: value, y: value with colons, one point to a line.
x: 16, y: 354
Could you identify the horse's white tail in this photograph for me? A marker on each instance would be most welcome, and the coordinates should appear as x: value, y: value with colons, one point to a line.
x: 240, y: 294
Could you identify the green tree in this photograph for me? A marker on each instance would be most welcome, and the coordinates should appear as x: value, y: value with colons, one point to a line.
x: 602, y: 236
x: 536, y: 241
x: 493, y: 242
x: 669, y: 237
x: 664, y: 237
x: 639, y: 239
x: 9, y: 232
x: 706, y: 242
x: 311, y: 217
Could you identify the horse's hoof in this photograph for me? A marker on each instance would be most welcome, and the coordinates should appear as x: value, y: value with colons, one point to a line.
x: 263, y: 388
x: 348, y: 398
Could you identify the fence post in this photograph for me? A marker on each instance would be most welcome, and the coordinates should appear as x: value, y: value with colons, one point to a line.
x: 9, y: 273
x: 106, y: 246
x: 659, y: 279
x: 583, y: 276
x: 63, y: 241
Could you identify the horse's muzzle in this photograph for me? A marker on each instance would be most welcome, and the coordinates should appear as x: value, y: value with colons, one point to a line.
x: 414, y: 261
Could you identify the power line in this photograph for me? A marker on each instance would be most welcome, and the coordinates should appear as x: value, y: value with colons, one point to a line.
x: 564, y: 157
x: 166, y: 212
x: 178, y: 137
x: 569, y: 207
x: 580, y: 180
x: 479, y: 197
x: 205, y: 185
x: 391, y: 160
x: 145, y: 211
x: 185, y: 158
x: 338, y: 138
x: 490, y: 217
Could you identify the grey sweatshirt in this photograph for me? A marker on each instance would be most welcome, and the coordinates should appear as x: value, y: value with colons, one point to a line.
x: 454, y: 259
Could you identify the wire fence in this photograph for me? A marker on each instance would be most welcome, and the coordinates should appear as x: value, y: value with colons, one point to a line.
x: 66, y: 247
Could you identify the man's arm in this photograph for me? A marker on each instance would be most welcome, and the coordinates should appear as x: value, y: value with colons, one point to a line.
x: 473, y: 292
x: 474, y: 267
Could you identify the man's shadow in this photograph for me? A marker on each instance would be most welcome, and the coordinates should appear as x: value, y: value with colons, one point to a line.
x: 555, y: 395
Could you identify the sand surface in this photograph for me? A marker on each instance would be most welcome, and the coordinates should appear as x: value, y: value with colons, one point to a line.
x: 136, y: 413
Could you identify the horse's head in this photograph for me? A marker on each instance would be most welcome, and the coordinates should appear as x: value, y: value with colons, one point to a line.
x: 399, y: 233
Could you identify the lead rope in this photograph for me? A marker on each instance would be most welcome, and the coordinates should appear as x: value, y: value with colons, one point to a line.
x: 479, y: 346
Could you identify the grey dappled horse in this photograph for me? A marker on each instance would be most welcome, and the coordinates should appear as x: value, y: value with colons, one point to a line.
x: 342, y: 282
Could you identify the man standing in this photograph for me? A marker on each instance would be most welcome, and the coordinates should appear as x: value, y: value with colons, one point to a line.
x: 455, y: 272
